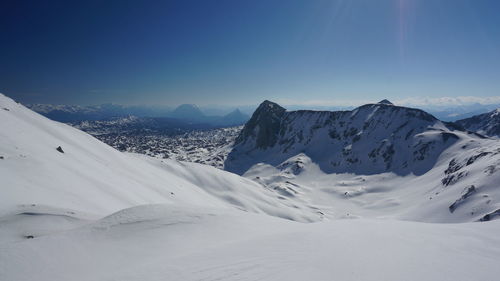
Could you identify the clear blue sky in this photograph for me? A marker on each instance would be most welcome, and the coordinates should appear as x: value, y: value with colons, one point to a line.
x: 242, y: 52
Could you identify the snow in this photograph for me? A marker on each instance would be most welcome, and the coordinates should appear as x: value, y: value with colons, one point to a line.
x: 423, y: 198
x: 93, y: 177
x: 94, y: 213
x: 487, y: 124
x: 495, y: 112
x: 168, y: 242
x: 415, y: 136
x: 398, y: 168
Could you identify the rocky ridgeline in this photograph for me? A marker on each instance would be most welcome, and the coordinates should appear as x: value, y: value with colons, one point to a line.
x: 370, y: 139
x: 487, y: 124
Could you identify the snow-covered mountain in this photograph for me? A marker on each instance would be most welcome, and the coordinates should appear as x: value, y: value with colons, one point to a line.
x: 487, y: 124
x: 293, y: 159
x: 376, y: 159
x: 73, y: 208
x: 52, y: 164
x: 370, y: 139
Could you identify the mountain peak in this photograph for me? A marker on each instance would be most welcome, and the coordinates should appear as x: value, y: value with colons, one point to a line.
x: 487, y: 124
x: 366, y: 140
x: 237, y: 112
x: 188, y: 111
x: 269, y: 105
x: 268, y: 109
x: 263, y: 125
x: 235, y: 117
x: 385, y: 101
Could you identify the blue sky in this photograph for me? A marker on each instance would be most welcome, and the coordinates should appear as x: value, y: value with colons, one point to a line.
x: 343, y: 52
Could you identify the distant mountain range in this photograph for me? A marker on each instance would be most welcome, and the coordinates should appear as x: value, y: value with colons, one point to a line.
x: 191, y: 112
x: 185, y: 113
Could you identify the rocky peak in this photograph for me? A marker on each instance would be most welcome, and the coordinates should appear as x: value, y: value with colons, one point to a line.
x: 384, y: 101
x: 365, y: 140
x: 495, y: 112
x: 485, y: 124
x: 269, y: 106
x: 263, y: 125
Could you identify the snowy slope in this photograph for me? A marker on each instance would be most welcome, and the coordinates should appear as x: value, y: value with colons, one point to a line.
x: 371, y: 139
x: 166, y: 242
x: 93, y: 213
x: 378, y: 160
x: 90, y: 176
x: 462, y: 187
x: 487, y: 124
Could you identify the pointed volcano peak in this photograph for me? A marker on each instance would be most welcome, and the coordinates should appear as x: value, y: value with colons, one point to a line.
x: 385, y: 101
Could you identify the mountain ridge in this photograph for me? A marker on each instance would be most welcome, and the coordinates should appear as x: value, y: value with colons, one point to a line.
x: 486, y: 124
x: 52, y: 165
x: 380, y: 130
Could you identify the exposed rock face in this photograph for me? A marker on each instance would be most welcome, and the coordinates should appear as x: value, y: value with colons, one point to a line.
x: 491, y: 216
x: 468, y: 192
x: 370, y: 139
x: 486, y: 124
x: 385, y: 102
x: 264, y: 126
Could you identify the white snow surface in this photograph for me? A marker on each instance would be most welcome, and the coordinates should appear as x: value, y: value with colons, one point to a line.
x: 378, y: 161
x: 91, y: 176
x: 170, y: 242
x: 93, y: 213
